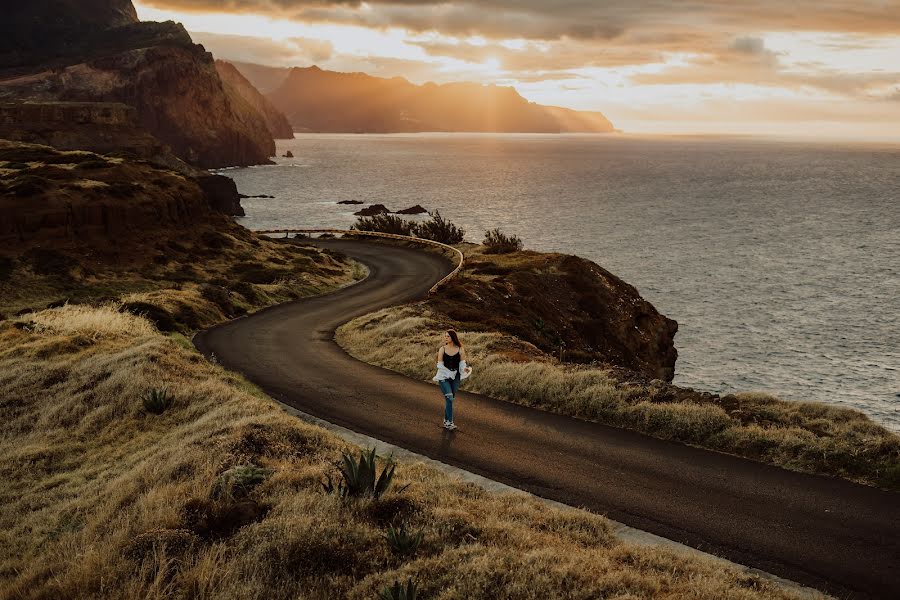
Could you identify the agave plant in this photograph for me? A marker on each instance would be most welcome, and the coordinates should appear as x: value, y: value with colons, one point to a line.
x: 399, y: 592
x: 403, y: 542
x: 157, y: 400
x: 360, y: 478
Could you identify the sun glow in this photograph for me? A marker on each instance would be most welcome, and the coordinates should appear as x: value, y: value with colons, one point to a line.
x: 773, y: 77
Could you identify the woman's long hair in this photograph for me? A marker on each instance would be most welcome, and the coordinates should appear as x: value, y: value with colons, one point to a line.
x: 454, y: 337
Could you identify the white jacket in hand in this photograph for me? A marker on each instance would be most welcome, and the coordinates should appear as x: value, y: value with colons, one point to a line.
x: 445, y: 373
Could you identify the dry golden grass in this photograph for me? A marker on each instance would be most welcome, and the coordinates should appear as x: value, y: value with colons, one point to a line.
x: 255, y: 272
x: 804, y: 436
x: 91, y: 322
x: 102, y: 500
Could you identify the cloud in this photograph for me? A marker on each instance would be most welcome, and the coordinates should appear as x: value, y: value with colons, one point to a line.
x: 544, y: 56
x: 576, y: 19
x: 747, y: 60
x: 286, y: 53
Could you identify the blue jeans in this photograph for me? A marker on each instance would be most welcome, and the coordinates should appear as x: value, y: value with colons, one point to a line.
x: 449, y: 387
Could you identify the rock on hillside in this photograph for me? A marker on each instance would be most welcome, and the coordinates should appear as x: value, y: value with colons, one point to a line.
x: 173, y: 85
x: 241, y: 90
x: 557, y: 301
x: 55, y: 199
x: 326, y: 101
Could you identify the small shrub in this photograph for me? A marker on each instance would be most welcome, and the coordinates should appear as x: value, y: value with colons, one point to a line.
x: 403, y: 542
x: 498, y: 242
x: 160, y: 317
x: 216, y: 240
x: 385, y: 224
x: 240, y: 480
x: 93, y: 163
x: 28, y: 185
x: 251, y: 272
x: 58, y: 303
x: 439, y: 229
x: 360, y: 479
x: 399, y: 592
x: 247, y: 291
x: 26, y: 154
x: 220, y: 297
x: 46, y: 261
x: 157, y: 400
x: 123, y: 189
x: 213, y: 520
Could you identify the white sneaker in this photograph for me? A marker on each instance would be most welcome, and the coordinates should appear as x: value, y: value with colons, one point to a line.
x: 446, y: 424
x: 450, y: 425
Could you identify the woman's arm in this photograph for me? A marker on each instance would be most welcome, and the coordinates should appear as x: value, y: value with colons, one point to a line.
x: 440, y: 355
x: 462, y: 354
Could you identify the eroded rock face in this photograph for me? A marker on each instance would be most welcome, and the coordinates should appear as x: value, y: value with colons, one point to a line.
x: 51, y: 199
x: 241, y: 90
x: 103, y: 127
x: 221, y: 193
x: 155, y: 68
x: 562, y: 303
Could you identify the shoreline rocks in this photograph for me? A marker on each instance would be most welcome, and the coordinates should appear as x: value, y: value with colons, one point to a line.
x: 371, y: 211
x: 412, y: 210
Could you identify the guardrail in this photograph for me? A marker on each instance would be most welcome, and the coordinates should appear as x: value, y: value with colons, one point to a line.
x: 394, y: 236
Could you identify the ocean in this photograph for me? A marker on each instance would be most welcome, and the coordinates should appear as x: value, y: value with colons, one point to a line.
x: 779, y: 259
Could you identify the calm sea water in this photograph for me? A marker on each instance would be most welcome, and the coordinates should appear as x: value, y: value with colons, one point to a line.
x: 779, y: 260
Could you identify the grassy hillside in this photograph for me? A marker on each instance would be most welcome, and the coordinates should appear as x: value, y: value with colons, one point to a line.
x: 134, y: 468
x: 220, y: 495
x: 79, y: 227
x: 804, y: 436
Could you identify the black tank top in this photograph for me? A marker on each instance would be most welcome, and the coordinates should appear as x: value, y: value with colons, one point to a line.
x: 451, y: 361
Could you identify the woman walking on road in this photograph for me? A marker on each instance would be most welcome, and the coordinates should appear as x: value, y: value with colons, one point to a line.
x: 451, y: 369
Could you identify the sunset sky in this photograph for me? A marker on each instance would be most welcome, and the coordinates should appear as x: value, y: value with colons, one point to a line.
x: 827, y: 68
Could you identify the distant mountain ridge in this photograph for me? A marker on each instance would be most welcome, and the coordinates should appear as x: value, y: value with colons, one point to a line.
x: 316, y: 100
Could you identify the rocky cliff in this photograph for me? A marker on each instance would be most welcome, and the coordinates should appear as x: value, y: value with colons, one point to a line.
x: 98, y: 53
x: 326, y: 101
x: 240, y: 90
x: 96, y: 126
x: 54, y: 199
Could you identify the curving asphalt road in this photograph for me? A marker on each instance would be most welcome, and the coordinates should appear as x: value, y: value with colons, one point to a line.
x: 830, y: 534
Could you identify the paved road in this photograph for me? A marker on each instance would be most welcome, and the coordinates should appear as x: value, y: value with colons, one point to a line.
x: 826, y: 533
